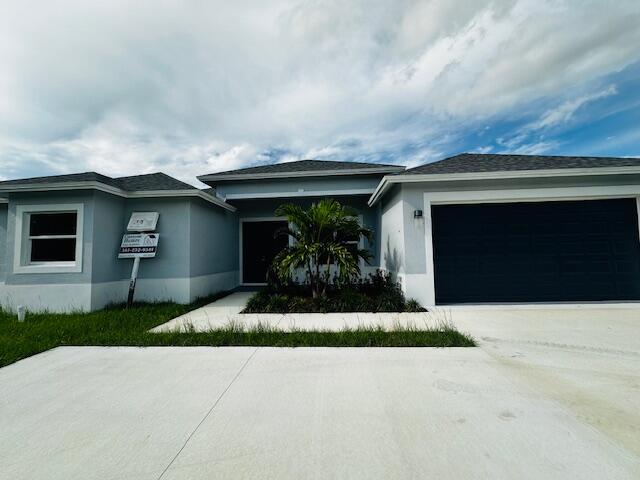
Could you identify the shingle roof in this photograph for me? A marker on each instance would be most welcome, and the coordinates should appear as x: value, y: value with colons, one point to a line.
x: 148, y: 182
x: 73, y: 177
x: 302, y: 166
x: 152, y: 181
x: 478, y: 162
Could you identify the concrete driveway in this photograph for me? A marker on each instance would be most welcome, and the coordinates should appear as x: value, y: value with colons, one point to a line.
x: 551, y: 394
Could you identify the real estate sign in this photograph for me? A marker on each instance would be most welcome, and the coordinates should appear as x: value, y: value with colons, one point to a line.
x: 139, y: 245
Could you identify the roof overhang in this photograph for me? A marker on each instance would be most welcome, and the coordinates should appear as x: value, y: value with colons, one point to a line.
x: 66, y: 186
x: 389, y: 180
x: 300, y: 194
x: 215, y: 178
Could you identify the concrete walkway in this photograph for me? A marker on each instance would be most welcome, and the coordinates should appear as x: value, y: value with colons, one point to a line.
x: 225, y: 312
x: 214, y: 315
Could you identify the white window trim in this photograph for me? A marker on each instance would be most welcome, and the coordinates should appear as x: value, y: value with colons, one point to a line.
x: 22, y: 244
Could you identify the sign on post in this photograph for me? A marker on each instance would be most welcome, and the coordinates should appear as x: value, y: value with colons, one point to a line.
x: 139, y: 245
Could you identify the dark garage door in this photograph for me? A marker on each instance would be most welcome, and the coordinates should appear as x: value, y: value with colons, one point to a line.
x: 537, y: 252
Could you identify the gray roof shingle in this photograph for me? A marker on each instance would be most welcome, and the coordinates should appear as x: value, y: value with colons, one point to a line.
x: 73, y: 177
x: 301, y: 166
x: 479, y: 162
x: 152, y: 181
x: 147, y: 182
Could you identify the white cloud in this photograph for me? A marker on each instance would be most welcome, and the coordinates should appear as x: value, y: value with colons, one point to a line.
x: 191, y: 87
x: 565, y: 112
x: 530, y: 138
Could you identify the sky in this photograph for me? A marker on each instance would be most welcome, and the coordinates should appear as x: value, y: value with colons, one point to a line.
x: 193, y: 87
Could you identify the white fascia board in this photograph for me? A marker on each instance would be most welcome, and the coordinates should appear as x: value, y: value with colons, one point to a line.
x: 181, y: 193
x: 46, y: 187
x: 317, y: 193
x: 387, y: 180
x: 309, y: 173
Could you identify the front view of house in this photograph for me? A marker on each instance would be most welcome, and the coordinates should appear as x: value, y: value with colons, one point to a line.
x: 473, y: 228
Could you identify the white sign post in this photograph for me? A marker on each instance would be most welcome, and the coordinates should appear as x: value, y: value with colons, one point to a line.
x: 139, y: 245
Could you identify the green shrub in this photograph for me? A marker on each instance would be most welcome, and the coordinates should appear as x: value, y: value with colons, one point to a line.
x: 376, y: 293
x: 412, y: 305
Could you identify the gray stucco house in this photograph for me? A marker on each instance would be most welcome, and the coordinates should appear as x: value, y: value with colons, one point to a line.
x: 472, y: 228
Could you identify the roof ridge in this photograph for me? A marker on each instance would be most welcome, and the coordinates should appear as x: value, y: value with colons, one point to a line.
x: 529, y: 155
x: 298, y: 166
x: 495, y: 162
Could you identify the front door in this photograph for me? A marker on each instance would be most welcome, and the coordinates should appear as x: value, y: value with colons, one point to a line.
x: 260, y: 245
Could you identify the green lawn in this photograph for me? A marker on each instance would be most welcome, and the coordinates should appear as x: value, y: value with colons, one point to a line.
x: 118, y: 326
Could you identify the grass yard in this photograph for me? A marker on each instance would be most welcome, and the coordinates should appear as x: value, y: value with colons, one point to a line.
x: 118, y: 326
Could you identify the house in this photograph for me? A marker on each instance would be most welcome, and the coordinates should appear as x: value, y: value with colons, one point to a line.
x: 473, y: 228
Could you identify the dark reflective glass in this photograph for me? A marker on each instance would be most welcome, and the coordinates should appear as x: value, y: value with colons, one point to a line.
x: 52, y: 224
x: 53, y: 250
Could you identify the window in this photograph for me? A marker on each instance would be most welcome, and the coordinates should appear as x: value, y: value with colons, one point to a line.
x: 52, y: 237
x: 48, y: 239
x: 352, y: 243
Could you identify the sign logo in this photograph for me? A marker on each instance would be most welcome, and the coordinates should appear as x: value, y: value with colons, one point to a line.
x: 139, y: 245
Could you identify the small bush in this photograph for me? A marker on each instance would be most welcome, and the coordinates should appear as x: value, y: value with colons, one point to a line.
x: 412, y: 305
x: 376, y: 293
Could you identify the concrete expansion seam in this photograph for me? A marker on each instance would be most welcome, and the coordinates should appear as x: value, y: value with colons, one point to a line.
x: 215, y: 404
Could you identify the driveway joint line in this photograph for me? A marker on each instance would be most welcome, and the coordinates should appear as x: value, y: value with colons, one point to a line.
x: 215, y: 404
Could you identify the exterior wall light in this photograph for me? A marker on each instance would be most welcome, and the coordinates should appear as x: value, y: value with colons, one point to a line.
x: 417, y: 214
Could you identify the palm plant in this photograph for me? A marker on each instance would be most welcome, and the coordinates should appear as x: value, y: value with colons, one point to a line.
x: 323, y: 236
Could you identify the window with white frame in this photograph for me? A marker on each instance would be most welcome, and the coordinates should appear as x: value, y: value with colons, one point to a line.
x: 49, y: 238
x: 352, y: 243
x: 52, y: 237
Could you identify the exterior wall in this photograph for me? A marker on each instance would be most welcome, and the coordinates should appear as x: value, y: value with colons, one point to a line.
x: 213, y: 249
x: 416, y: 270
x: 108, y: 229
x: 3, y: 241
x: 197, y: 252
x: 298, y: 186
x: 49, y: 291
x: 392, y: 233
x: 260, y: 198
x: 187, y: 264
x: 162, y: 278
x: 370, y: 216
x: 403, y: 252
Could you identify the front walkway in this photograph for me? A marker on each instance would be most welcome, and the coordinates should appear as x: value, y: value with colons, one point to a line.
x: 480, y: 321
x: 225, y: 313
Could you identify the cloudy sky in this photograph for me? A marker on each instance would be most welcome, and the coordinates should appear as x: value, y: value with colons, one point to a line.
x: 193, y: 87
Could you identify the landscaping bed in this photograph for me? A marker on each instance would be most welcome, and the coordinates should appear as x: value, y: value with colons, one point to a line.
x: 377, y: 293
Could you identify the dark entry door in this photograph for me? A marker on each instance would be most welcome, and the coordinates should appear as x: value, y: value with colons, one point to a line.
x: 260, y: 245
x: 537, y: 252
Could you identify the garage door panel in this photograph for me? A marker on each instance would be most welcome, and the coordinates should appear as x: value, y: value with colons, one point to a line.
x: 623, y: 246
x: 551, y: 251
x: 625, y: 266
